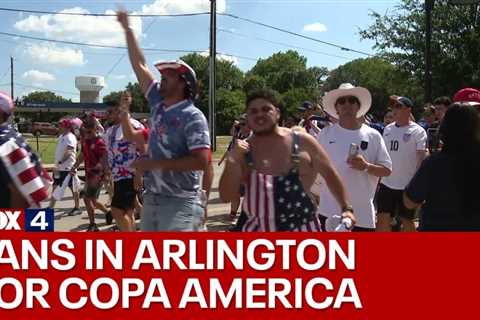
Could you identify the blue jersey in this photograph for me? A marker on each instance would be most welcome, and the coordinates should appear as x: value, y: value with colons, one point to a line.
x: 175, y: 131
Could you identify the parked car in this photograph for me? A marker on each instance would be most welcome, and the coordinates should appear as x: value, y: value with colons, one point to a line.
x: 24, y: 127
x: 44, y: 128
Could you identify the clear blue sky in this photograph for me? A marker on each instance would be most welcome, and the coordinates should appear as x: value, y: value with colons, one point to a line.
x: 54, y: 66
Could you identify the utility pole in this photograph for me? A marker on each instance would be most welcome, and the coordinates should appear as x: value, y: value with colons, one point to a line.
x: 213, y: 74
x: 428, y: 50
x: 11, y: 78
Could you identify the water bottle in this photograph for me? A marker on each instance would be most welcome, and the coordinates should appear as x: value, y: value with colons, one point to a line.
x: 338, y: 223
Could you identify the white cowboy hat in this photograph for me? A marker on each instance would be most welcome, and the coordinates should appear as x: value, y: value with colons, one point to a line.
x: 347, y: 89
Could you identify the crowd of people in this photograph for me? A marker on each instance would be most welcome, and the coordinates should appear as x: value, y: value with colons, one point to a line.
x: 331, y: 168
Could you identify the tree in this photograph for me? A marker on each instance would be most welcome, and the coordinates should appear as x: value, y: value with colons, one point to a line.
x: 39, y: 97
x: 380, y: 77
x: 139, y: 103
x: 287, y: 73
x: 233, y: 105
x: 44, y: 96
x: 230, y: 100
x: 253, y: 82
x: 399, y: 36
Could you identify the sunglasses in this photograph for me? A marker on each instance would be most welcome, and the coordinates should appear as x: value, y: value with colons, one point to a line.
x: 397, y: 106
x: 242, y: 124
x: 350, y: 99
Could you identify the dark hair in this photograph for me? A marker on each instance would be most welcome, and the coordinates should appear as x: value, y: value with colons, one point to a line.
x: 112, y: 104
x: 271, y: 96
x: 89, y: 123
x: 460, y: 133
x: 442, y: 100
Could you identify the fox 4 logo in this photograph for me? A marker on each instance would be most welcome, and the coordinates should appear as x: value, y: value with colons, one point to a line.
x: 10, y: 219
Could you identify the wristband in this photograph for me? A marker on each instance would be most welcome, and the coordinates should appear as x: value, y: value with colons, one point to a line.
x: 348, y: 207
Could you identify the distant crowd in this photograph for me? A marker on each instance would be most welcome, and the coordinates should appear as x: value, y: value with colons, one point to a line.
x: 333, y: 168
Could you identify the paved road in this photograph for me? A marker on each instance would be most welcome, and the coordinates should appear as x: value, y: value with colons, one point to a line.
x: 218, y: 212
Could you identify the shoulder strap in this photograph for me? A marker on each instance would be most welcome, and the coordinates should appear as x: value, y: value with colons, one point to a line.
x: 295, y: 156
x: 249, y: 157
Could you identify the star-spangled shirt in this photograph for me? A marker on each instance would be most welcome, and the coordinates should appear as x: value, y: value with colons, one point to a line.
x: 121, y: 153
x: 175, y: 132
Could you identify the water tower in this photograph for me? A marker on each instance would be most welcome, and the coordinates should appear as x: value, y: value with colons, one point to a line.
x: 90, y: 87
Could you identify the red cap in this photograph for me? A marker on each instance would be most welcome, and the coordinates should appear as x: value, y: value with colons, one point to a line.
x: 468, y: 96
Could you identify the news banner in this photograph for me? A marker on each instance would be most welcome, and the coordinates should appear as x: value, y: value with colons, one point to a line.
x: 212, y: 275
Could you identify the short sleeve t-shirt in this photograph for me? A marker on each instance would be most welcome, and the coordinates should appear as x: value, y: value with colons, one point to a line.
x: 93, y: 151
x: 64, y: 142
x: 434, y: 183
x: 121, y: 153
x: 175, y: 131
x: 360, y: 185
x: 402, y: 144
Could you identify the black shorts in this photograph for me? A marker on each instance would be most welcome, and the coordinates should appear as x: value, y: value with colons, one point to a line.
x: 391, y: 201
x: 91, y: 191
x: 59, y: 177
x: 123, y: 194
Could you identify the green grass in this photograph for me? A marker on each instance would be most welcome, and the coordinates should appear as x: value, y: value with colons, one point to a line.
x: 46, y: 147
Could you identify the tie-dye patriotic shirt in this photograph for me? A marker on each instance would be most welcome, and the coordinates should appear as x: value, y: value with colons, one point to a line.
x: 175, y: 132
x: 121, y: 153
x: 20, y: 166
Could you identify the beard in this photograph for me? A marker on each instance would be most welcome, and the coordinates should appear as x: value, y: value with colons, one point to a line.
x: 265, y: 131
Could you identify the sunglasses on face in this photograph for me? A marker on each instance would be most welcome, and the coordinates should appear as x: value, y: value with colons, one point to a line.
x: 397, y: 106
x: 350, y: 99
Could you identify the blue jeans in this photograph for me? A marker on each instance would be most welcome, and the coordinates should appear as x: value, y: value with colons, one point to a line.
x: 167, y: 213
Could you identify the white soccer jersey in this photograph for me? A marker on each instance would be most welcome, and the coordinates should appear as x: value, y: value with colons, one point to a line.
x: 360, y: 185
x: 402, y: 144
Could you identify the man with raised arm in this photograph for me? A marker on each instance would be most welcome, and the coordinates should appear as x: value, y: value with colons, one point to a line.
x: 178, y: 146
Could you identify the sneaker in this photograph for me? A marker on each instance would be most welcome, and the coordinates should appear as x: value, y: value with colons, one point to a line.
x: 74, y: 212
x: 109, y: 218
x: 92, y: 228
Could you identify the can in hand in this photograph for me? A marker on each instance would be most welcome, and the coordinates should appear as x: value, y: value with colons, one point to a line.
x: 353, y: 150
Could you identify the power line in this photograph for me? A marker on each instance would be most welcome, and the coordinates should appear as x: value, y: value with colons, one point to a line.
x: 283, y: 44
x: 95, y: 44
x: 193, y: 14
x: 235, y: 56
x: 105, y: 14
x: 294, y: 33
x: 43, y: 88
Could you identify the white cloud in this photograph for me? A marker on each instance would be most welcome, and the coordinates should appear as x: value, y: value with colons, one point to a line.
x: 231, y: 59
x: 90, y: 29
x: 53, y: 55
x: 36, y: 77
x: 181, y: 6
x: 222, y: 57
x: 315, y: 27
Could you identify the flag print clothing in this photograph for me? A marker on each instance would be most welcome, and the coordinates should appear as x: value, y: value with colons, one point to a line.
x: 278, y: 203
x: 20, y: 166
